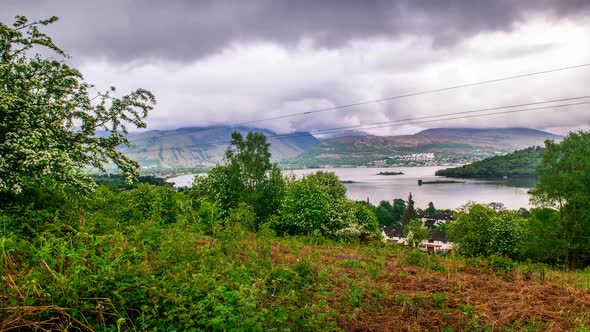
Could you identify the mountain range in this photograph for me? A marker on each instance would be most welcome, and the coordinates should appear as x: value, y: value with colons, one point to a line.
x: 428, y: 147
x: 205, y: 146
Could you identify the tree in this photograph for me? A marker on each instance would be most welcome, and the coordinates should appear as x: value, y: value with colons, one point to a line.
x: 49, y: 123
x: 416, y: 232
x: 221, y: 187
x: 410, y: 212
x: 384, y: 213
x: 390, y: 215
x: 399, y: 206
x: 543, y: 232
x: 479, y: 230
x: 564, y: 183
x: 316, y: 203
x: 497, y: 206
x: 247, y: 176
x: 251, y: 157
x: 364, y: 226
x: 430, y: 209
x: 524, y: 212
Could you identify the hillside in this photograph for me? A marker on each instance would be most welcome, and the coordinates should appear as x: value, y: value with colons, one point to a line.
x: 428, y: 147
x: 172, y: 277
x: 521, y: 163
x: 193, y: 147
x: 205, y: 146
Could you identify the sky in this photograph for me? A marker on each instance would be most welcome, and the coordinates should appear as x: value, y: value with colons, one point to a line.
x: 226, y: 62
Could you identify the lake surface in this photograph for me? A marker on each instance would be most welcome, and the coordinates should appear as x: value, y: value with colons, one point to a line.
x: 368, y: 185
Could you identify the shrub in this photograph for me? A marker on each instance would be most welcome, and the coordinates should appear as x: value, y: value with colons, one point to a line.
x: 481, y: 231
x: 314, y: 203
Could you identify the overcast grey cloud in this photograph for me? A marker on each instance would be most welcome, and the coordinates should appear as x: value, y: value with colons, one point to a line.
x: 223, y: 62
x: 124, y: 30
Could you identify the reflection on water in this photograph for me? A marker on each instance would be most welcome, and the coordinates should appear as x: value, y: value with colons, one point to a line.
x: 368, y: 185
x: 513, y: 182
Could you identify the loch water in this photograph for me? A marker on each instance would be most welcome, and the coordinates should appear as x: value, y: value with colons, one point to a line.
x: 365, y: 183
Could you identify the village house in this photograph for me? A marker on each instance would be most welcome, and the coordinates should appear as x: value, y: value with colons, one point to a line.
x: 436, y: 243
x: 393, y: 234
x: 435, y: 219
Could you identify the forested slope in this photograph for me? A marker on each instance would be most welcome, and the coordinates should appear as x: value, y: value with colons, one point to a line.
x: 520, y: 163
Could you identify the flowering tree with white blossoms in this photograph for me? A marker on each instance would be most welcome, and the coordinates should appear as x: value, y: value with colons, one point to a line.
x: 49, y: 121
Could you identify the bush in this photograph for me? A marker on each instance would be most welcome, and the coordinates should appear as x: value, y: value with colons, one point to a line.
x: 502, y: 265
x: 415, y: 258
x: 209, y: 217
x: 481, y: 231
x: 314, y: 203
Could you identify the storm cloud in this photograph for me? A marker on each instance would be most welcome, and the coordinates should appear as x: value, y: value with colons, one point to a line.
x: 182, y: 30
x: 225, y: 62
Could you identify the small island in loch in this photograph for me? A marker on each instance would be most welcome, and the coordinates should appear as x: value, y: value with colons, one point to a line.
x: 421, y: 182
x: 390, y: 173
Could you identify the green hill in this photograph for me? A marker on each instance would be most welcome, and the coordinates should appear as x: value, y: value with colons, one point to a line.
x: 521, y: 163
x: 429, y: 147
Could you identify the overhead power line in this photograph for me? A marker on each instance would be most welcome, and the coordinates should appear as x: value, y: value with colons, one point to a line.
x: 359, y: 126
x: 481, y: 115
x: 413, y: 94
x: 408, y: 121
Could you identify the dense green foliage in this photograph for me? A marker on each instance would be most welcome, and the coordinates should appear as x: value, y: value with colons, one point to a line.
x: 384, y: 213
x: 247, y: 177
x: 138, y: 259
x: 556, y: 232
x: 409, y: 211
x: 565, y: 184
x: 118, y: 181
x: 399, y: 207
x: 49, y: 121
x: 482, y: 231
x: 316, y: 204
x: 520, y: 163
x: 431, y: 209
x: 388, y: 214
x: 544, y: 239
x: 416, y: 232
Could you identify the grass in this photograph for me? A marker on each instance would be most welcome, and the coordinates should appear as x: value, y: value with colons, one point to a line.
x: 103, y: 273
x: 189, y: 281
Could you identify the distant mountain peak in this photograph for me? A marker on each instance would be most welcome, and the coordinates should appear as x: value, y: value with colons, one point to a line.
x: 429, y: 147
x: 502, y: 131
x: 204, y: 146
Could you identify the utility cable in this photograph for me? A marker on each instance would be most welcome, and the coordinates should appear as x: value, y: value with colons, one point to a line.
x: 413, y: 94
x: 402, y: 122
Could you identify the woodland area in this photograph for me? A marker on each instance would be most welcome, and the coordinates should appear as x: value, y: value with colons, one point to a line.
x: 520, y: 163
